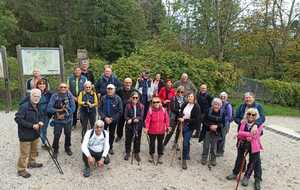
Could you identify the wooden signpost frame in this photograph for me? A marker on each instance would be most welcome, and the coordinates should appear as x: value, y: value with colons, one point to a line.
x: 6, y: 79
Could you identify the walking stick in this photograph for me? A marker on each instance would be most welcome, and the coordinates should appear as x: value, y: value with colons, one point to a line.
x: 148, y: 140
x: 133, y: 139
x: 241, y: 169
x: 181, y: 141
x: 174, y: 153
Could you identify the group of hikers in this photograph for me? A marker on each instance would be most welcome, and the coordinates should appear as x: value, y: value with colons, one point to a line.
x: 156, y: 107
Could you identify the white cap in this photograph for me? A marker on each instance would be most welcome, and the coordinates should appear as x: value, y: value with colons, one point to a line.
x: 111, y: 86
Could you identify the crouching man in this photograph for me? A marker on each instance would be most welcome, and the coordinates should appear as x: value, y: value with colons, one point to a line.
x: 95, y: 147
x: 29, y: 120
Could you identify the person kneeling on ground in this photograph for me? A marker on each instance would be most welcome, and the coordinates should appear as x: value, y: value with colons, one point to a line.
x: 249, y: 142
x: 29, y: 120
x: 95, y: 147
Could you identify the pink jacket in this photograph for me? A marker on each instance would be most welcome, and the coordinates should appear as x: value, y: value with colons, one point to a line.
x: 157, y: 121
x: 256, y: 145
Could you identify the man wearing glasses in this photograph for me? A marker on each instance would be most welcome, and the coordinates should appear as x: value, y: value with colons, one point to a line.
x: 110, y: 111
x: 95, y: 147
x: 62, y: 107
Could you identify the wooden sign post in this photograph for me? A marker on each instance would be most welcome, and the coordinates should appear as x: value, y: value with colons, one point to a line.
x: 5, y: 75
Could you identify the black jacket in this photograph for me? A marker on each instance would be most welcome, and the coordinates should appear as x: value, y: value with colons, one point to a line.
x: 26, y: 117
x: 195, y: 118
x: 116, y: 107
x: 176, y: 108
x: 89, y: 75
x: 204, y: 101
x: 214, y: 118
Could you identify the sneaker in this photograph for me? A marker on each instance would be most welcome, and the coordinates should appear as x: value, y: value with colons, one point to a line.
x: 111, y: 151
x: 86, y: 172
x: 117, y: 139
x: 107, y: 160
x: 126, y: 157
x: 69, y: 152
x: 137, y: 157
x: 151, y: 159
x: 257, y: 184
x: 184, y: 165
x: 159, y: 159
x: 24, y: 174
x: 35, y: 165
x: 231, y: 177
x: 245, y: 181
x: 213, y: 162
x: 203, y: 161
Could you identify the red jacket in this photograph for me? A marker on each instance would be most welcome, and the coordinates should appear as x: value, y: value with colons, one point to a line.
x: 163, y: 94
x: 157, y: 121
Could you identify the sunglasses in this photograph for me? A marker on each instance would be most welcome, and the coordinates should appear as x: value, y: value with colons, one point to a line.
x: 156, y: 102
x: 87, y: 87
x: 251, y: 114
x: 179, y: 91
x: 135, y: 98
x: 62, y: 87
x: 109, y: 88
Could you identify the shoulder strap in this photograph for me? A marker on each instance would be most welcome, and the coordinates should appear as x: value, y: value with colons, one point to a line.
x: 92, y: 133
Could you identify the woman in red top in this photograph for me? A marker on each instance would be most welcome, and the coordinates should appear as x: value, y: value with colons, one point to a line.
x: 156, y: 125
x: 166, y: 94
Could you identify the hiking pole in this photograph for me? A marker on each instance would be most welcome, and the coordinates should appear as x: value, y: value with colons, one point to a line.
x: 51, y: 152
x: 133, y: 139
x: 175, y: 148
x: 148, y: 140
x: 181, y: 141
x: 241, y: 169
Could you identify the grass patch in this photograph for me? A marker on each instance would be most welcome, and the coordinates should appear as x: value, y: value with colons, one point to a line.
x: 272, y: 109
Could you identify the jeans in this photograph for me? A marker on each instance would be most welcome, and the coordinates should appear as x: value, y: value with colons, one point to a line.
x: 57, y: 133
x: 75, y: 114
x: 187, y: 134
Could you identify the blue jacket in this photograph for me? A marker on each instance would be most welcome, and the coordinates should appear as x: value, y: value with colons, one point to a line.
x: 26, y: 117
x: 240, y: 112
x: 102, y: 83
x: 115, y: 109
x: 56, y: 102
x: 72, y: 84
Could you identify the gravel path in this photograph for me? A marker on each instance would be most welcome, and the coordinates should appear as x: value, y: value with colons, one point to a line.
x: 288, y: 122
x: 280, y: 162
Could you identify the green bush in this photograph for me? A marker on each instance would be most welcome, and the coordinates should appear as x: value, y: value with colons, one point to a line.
x: 283, y: 93
x: 171, y: 64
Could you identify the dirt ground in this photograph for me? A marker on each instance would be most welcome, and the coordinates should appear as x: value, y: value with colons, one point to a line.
x: 280, y: 163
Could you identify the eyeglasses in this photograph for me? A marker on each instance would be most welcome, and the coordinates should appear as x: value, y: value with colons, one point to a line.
x: 87, y: 87
x: 179, y: 91
x: 109, y: 88
x: 62, y: 87
x: 135, y: 98
x: 156, y: 102
x: 251, y: 114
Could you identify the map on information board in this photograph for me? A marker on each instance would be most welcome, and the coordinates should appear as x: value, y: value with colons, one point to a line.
x: 46, y: 60
x: 1, y: 66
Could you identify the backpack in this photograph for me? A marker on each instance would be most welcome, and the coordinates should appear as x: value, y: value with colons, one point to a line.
x: 93, y: 131
x: 232, y: 111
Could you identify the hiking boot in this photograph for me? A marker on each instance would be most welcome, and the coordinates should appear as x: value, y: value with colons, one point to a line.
x: 184, y: 165
x: 45, y: 147
x: 231, y: 177
x: 69, y: 152
x: 86, y: 172
x: 55, y: 153
x: 245, y: 181
x: 126, y: 157
x: 107, y: 160
x: 159, y: 160
x: 118, y: 139
x: 24, y: 174
x: 111, y: 151
x: 213, y: 162
x: 151, y: 159
x: 257, y: 184
x: 35, y: 165
x: 137, y: 157
x: 203, y: 161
